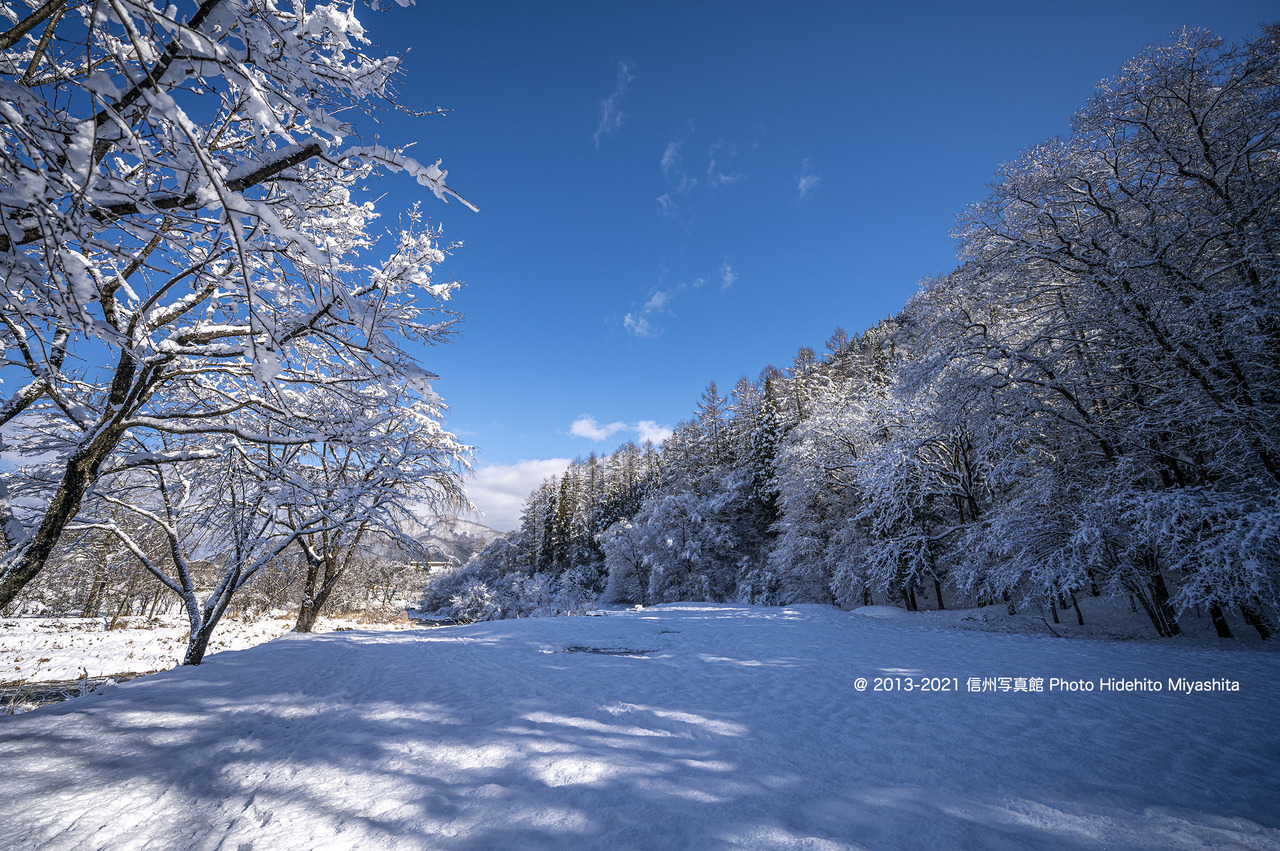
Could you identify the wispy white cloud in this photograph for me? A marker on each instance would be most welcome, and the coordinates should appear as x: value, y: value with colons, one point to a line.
x: 680, y: 185
x: 12, y: 451
x: 499, y: 490
x: 644, y: 321
x: 716, y: 176
x: 727, y: 276
x: 638, y: 325
x: 670, y: 156
x: 586, y: 426
x: 645, y: 430
x: 611, y: 113
x: 808, y: 179
x: 659, y: 299
x: 716, y: 179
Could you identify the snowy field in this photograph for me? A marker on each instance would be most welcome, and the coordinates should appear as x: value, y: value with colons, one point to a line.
x: 683, y: 726
x: 41, y: 649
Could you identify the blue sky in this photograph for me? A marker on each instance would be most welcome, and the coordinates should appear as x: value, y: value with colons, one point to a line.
x: 676, y: 193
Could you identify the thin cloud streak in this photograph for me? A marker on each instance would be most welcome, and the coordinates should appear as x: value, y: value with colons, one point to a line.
x: 670, y: 156
x: 727, y: 276
x: 611, y: 113
x: 807, y: 180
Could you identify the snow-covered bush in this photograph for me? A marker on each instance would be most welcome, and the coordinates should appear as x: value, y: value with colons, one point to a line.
x: 475, y: 602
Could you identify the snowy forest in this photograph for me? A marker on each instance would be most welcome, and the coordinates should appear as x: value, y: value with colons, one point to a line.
x: 1088, y: 404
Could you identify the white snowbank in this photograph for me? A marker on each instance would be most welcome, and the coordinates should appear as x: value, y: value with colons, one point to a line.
x: 881, y: 612
x: 43, y: 649
x: 686, y: 726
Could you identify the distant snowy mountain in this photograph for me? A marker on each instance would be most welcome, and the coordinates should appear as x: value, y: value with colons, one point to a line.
x: 452, y: 538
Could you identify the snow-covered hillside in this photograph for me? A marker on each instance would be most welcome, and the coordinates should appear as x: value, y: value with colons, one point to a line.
x: 684, y: 726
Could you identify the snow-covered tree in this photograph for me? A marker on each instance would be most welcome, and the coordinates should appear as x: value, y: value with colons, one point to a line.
x: 179, y: 202
x: 226, y: 508
x: 397, y: 461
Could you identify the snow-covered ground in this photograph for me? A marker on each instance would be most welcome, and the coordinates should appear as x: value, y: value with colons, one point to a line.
x: 34, y: 649
x: 683, y: 726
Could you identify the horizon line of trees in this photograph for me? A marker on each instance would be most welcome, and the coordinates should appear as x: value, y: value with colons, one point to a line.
x: 1088, y: 404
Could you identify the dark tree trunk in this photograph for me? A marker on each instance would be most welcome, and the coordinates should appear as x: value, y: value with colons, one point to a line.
x: 308, y: 609
x: 126, y: 601
x: 309, y: 612
x: 1151, y: 613
x: 30, y: 559
x: 1253, y: 617
x: 937, y: 589
x: 316, y: 591
x: 80, y: 474
x: 1075, y: 604
x: 1159, y: 615
x: 1053, y: 609
x: 1219, y: 621
x: 198, y: 642
x: 93, y: 602
x: 1160, y: 594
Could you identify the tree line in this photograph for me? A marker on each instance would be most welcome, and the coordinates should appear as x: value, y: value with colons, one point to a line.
x: 1088, y: 404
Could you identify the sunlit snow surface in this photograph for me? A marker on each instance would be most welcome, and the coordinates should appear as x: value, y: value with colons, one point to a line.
x: 686, y: 726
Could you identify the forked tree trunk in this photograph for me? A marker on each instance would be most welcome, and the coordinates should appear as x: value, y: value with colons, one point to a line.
x: 1159, y: 617
x: 309, y: 611
x: 318, y: 587
x: 198, y: 641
